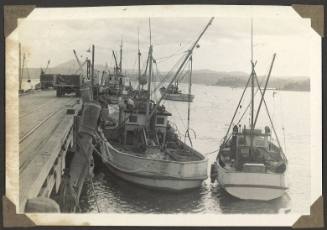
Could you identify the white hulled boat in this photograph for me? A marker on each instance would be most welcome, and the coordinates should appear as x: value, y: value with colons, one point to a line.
x: 173, y: 93
x: 249, y: 164
x: 142, y: 147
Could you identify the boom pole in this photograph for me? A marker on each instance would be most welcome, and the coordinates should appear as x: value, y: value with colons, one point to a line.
x: 78, y: 61
x: 189, y: 53
x: 116, y: 64
x: 271, y: 122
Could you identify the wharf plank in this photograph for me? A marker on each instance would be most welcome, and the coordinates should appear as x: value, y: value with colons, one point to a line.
x: 40, y: 150
x: 34, y: 108
x: 35, y: 173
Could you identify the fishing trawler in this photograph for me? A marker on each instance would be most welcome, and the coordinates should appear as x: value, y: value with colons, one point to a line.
x: 249, y: 164
x: 173, y: 93
x: 144, y: 148
x: 115, y: 82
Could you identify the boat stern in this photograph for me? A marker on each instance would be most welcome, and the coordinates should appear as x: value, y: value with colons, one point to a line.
x: 252, y: 186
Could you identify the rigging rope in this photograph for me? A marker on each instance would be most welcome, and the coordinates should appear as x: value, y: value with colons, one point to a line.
x: 230, y: 124
x: 167, y: 58
x: 248, y: 106
x: 168, y: 74
x: 212, y: 152
x: 182, y: 50
x: 272, y: 124
x: 175, y: 108
x: 179, y: 115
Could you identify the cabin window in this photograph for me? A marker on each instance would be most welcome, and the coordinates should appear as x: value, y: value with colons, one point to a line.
x: 260, y: 142
x: 132, y: 118
x: 160, y: 120
x: 241, y: 141
x: 245, y: 152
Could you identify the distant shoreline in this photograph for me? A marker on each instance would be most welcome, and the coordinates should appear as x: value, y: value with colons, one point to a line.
x: 276, y: 89
x: 204, y: 77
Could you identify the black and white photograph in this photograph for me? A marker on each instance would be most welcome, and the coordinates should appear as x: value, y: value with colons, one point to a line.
x: 165, y: 115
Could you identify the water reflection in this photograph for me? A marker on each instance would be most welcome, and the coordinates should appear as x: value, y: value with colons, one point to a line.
x: 118, y: 196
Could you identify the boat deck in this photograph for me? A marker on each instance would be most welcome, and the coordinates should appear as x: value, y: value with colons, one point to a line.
x: 170, y: 154
x: 151, y: 153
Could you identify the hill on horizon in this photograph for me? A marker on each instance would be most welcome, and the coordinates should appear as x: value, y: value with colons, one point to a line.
x: 201, y: 76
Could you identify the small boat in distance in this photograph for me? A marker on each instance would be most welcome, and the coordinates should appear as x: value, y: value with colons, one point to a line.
x: 249, y: 165
x: 144, y: 148
x: 173, y: 93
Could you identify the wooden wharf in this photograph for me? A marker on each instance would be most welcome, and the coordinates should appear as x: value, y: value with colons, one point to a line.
x: 46, y: 134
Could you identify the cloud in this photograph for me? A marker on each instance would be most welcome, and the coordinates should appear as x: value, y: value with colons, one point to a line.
x: 224, y: 47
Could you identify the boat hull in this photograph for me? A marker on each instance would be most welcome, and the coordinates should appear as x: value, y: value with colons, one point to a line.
x: 153, y: 182
x: 252, y: 186
x: 156, y: 174
x: 178, y: 97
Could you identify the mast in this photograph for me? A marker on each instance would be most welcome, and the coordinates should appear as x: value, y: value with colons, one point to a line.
x: 150, y: 75
x: 189, y: 94
x: 87, y: 69
x: 92, y: 68
x: 252, y: 93
x: 252, y: 78
x: 189, y: 53
x: 46, y: 68
x: 139, y: 58
x: 22, y: 74
x: 121, y: 56
x: 189, y: 102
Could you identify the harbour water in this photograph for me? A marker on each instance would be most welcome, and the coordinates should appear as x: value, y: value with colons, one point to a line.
x: 211, y: 112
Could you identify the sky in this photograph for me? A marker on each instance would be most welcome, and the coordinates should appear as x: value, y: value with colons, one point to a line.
x: 226, y: 45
